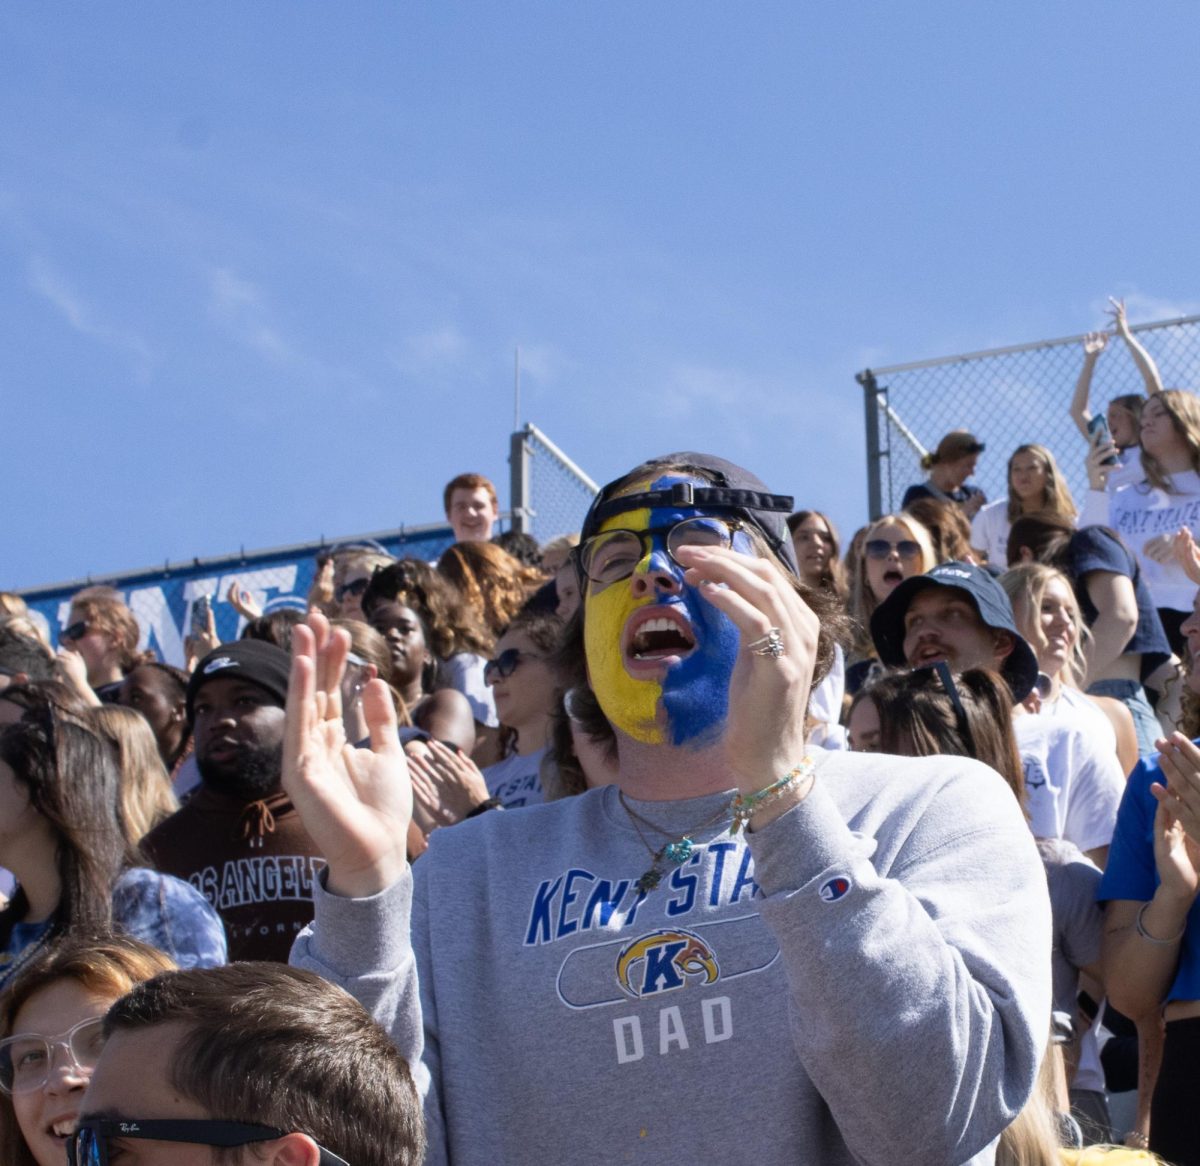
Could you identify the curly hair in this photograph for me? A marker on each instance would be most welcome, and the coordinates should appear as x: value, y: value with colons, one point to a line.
x: 450, y: 624
x: 494, y: 583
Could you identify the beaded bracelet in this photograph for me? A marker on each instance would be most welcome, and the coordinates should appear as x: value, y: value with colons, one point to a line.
x: 1141, y: 930
x: 745, y: 806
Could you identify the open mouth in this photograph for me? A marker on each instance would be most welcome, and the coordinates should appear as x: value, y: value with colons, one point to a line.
x: 656, y: 635
x: 892, y: 577
x: 63, y: 1128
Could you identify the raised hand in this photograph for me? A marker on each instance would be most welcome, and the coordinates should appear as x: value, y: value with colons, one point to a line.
x: 1117, y: 312
x: 72, y: 671
x: 1177, y: 820
x: 1094, y: 343
x: 1187, y: 554
x: 768, y: 695
x: 356, y: 804
x: 1097, y: 470
x: 243, y: 602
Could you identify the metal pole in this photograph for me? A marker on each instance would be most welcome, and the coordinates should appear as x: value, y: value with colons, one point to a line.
x: 519, y: 457
x: 872, y: 419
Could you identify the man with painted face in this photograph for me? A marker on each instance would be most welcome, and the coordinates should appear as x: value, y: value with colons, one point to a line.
x: 747, y: 949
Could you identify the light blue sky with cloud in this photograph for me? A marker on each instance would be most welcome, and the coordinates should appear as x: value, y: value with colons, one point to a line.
x: 263, y: 266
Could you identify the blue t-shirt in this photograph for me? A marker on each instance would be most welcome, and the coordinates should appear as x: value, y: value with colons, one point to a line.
x: 1131, y: 873
x: 1093, y: 548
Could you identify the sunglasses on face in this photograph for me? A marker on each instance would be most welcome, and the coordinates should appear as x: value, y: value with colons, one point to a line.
x: 27, y: 1060
x: 504, y: 665
x: 880, y: 548
x: 89, y: 1144
x: 76, y: 631
x: 358, y: 587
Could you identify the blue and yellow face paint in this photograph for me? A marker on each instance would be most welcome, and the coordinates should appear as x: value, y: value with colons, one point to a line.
x: 678, y: 699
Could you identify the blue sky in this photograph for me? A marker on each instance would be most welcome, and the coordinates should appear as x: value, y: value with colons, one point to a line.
x: 263, y: 266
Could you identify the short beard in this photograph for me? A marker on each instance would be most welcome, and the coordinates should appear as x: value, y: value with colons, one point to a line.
x: 253, y: 775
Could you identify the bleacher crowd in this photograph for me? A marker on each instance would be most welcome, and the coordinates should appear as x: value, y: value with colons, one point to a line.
x: 690, y: 831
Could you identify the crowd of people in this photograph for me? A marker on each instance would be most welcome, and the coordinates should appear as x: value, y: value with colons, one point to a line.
x: 691, y: 828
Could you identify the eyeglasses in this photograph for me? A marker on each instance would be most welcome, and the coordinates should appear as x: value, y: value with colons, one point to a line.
x: 615, y: 554
x: 27, y: 1060
x: 76, y: 631
x: 504, y: 665
x: 89, y: 1144
x: 356, y: 588
x: 880, y: 548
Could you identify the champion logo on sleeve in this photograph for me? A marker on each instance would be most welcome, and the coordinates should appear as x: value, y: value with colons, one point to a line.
x: 834, y: 889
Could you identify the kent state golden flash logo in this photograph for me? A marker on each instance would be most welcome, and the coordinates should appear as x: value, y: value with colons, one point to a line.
x: 664, y: 960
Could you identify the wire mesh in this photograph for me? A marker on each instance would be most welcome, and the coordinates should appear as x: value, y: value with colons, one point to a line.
x: 1008, y: 397
x: 559, y: 491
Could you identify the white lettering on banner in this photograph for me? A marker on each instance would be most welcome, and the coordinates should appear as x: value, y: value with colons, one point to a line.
x: 151, y: 610
x: 716, y: 1021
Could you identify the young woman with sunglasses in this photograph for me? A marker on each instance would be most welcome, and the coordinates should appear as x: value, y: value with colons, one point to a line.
x: 50, y: 1022
x: 894, y: 548
x: 63, y: 837
x: 526, y: 688
x: 99, y: 643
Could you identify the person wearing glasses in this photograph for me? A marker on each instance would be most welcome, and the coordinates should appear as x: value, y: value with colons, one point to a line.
x: 99, y: 644
x: 893, y: 548
x: 352, y: 571
x: 526, y: 689
x: 748, y: 948
x: 959, y: 613
x: 51, y: 1025
x: 262, y: 1058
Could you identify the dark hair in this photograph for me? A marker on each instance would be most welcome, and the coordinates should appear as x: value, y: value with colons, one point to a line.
x: 834, y: 624
x: 919, y: 718
x: 71, y: 778
x: 1046, y: 535
x: 280, y: 1046
x: 468, y: 482
x: 523, y: 547
x: 1131, y: 403
x: 104, y: 964
x: 274, y: 628
x: 450, y: 624
x: 36, y: 693
x: 19, y: 653
x: 834, y: 578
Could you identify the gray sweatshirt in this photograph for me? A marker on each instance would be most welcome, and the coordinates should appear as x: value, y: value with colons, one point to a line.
x: 867, y: 979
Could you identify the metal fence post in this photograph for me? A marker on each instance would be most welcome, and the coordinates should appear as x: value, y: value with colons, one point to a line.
x: 866, y: 378
x: 519, y: 457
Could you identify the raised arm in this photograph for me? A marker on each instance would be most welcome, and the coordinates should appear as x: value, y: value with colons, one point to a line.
x: 1143, y: 359
x: 1093, y: 345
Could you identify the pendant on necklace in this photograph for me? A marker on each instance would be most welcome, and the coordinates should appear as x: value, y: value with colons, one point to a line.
x: 648, y: 881
x: 679, y: 852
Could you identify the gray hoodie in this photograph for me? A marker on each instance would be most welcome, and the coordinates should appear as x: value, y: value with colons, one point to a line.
x: 867, y: 979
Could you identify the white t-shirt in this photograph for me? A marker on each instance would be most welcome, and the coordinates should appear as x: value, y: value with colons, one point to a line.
x: 464, y: 671
x: 989, y: 532
x: 1079, y: 707
x: 1141, y: 512
x: 1074, y: 783
x: 515, y: 780
x: 825, y: 705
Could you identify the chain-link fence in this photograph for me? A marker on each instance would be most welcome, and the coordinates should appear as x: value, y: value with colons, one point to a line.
x: 1007, y: 397
x: 553, y: 500
x: 550, y: 493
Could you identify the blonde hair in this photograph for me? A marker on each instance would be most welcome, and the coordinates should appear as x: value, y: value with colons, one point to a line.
x: 104, y: 608
x: 12, y: 604
x: 144, y: 792
x: 1184, y: 410
x: 862, y: 600
x: 1026, y: 586
x: 1056, y: 497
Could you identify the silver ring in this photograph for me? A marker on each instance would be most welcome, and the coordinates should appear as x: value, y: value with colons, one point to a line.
x: 769, y: 645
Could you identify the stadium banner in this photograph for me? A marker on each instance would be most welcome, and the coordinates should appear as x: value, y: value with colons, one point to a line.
x: 162, y: 598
